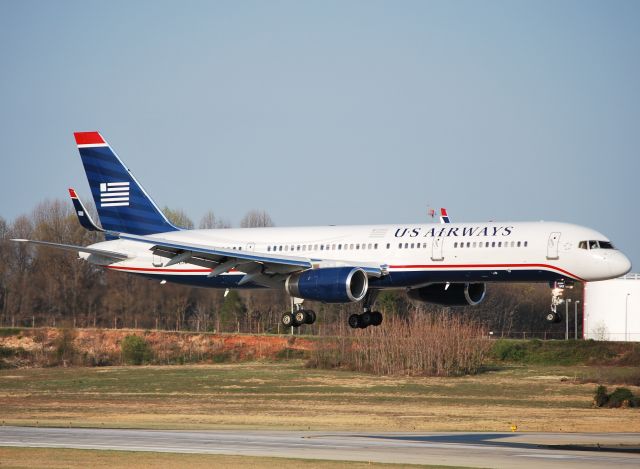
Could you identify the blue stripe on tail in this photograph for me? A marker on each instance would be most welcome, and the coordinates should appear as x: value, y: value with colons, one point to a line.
x: 122, y: 203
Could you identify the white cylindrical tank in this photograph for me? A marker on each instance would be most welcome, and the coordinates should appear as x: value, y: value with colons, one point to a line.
x: 612, y: 309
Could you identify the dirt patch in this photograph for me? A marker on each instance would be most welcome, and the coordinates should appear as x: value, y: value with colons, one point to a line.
x: 98, y: 347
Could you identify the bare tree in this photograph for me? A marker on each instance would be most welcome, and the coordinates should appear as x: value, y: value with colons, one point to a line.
x: 255, y: 219
x: 209, y: 222
x: 178, y: 217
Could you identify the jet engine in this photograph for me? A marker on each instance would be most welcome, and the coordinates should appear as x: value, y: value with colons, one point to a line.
x: 457, y: 294
x: 329, y: 285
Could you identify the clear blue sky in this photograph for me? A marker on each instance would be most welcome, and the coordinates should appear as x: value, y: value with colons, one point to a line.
x: 333, y: 112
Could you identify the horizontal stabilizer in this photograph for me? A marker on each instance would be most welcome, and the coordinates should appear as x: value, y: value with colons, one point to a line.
x: 69, y: 247
x: 83, y: 216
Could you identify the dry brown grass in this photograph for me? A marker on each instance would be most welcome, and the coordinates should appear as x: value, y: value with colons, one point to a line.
x: 434, y: 345
x: 288, y: 396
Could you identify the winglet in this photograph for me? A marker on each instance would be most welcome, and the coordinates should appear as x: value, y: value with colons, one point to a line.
x: 83, y: 216
x: 444, y: 218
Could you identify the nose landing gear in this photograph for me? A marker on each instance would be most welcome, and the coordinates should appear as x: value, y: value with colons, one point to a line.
x: 558, y: 287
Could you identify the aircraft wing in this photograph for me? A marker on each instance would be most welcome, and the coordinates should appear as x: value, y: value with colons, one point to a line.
x: 262, y: 268
x: 69, y: 247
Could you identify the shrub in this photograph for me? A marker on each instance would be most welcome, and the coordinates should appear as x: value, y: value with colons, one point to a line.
x: 9, y: 331
x: 621, y: 397
x: 65, y: 351
x: 601, y: 397
x: 508, y: 350
x: 135, y: 350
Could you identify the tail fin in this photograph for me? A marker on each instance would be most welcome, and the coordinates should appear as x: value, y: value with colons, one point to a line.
x: 122, y: 203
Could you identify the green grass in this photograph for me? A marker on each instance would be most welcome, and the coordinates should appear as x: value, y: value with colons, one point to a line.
x: 566, y: 352
x: 80, y: 458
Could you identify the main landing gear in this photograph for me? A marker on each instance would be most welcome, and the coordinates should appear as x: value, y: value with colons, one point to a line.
x: 368, y: 317
x: 299, y: 316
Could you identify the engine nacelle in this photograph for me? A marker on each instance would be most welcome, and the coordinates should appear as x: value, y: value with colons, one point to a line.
x: 458, y: 294
x: 330, y: 285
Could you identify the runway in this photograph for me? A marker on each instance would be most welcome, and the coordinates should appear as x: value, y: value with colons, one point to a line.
x: 500, y: 450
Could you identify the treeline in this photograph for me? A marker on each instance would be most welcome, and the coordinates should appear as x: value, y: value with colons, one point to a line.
x: 46, y: 287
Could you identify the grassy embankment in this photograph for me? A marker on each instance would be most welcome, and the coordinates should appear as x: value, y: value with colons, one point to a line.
x: 539, y: 386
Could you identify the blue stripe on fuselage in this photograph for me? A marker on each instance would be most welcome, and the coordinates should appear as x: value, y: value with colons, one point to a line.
x: 395, y: 279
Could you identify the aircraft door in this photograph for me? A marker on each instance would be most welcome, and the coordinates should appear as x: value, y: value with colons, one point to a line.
x: 552, y: 246
x: 436, y: 249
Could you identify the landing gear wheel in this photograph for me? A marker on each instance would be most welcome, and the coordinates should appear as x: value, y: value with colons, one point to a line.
x: 365, y: 320
x: 300, y: 318
x: 553, y: 317
x: 311, y: 316
x: 354, y: 321
x: 376, y: 318
x: 287, y: 319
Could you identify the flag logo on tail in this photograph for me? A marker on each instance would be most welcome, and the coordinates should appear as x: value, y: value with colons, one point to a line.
x: 114, y: 194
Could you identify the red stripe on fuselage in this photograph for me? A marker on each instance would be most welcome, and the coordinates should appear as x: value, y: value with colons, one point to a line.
x: 411, y: 266
x: 480, y: 266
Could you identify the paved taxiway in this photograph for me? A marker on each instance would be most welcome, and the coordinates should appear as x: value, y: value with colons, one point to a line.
x: 522, y: 450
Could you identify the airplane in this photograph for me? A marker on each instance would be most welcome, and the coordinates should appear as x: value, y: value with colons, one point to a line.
x: 446, y: 264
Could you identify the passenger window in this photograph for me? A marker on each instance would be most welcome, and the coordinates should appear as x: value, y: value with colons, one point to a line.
x: 406, y: 245
x: 474, y: 244
x: 388, y: 245
x: 412, y: 245
x: 339, y: 247
x: 268, y: 248
x: 499, y: 244
x: 455, y: 245
x: 493, y: 244
x: 526, y: 243
x: 400, y: 246
x: 518, y: 243
x: 468, y: 244
x: 375, y: 246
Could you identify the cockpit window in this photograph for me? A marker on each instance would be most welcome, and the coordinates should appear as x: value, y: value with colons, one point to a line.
x: 593, y: 244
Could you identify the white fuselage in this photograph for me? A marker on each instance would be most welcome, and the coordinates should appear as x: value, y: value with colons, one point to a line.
x: 412, y: 255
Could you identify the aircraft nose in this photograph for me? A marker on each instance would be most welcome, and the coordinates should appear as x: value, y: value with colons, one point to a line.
x: 619, y: 264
